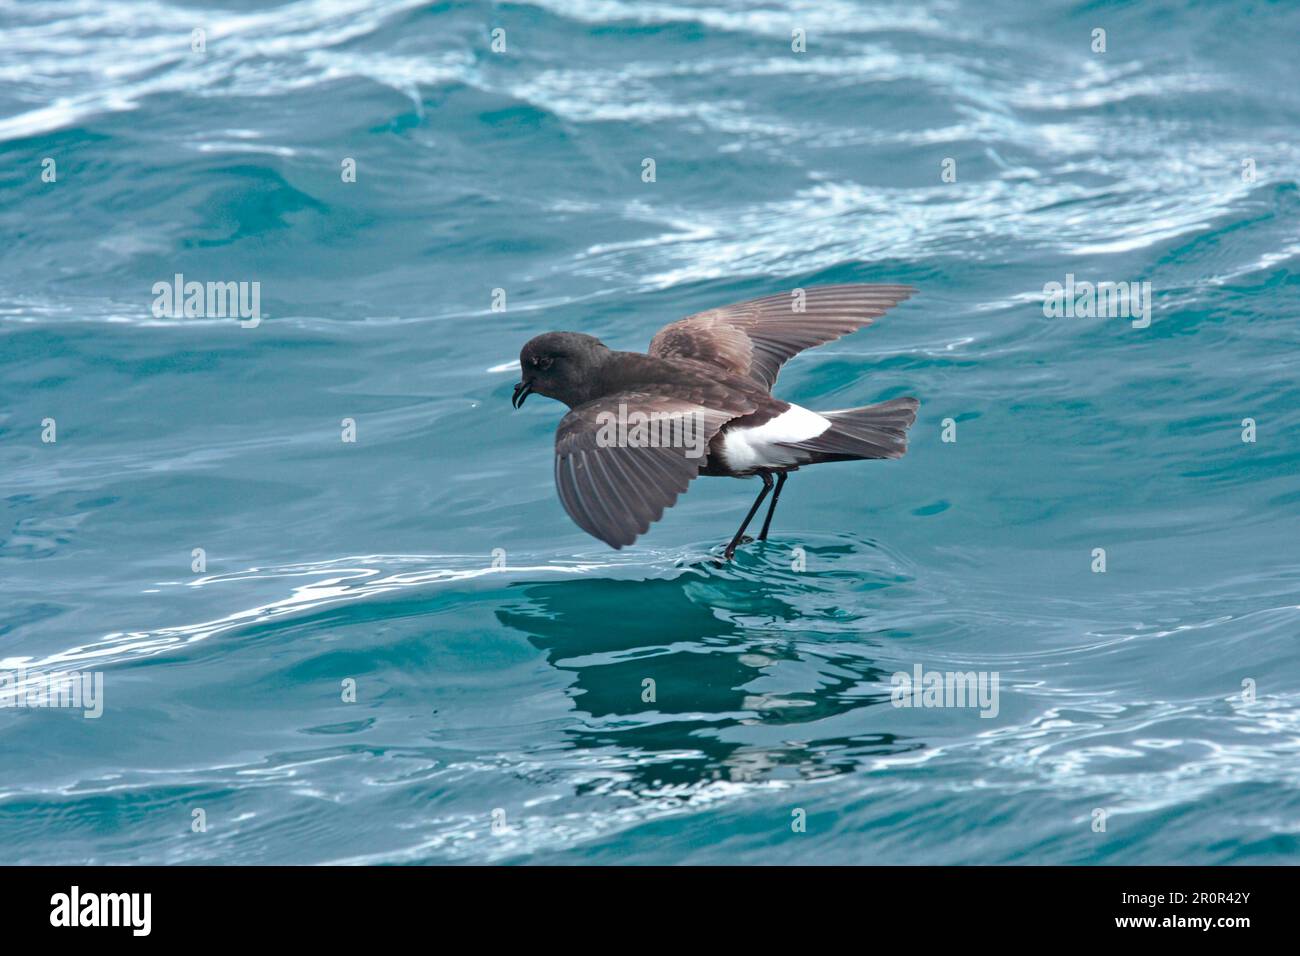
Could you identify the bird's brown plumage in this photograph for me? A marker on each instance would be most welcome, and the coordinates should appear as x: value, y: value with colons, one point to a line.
x: 616, y: 491
x: 755, y: 338
x: 715, y: 368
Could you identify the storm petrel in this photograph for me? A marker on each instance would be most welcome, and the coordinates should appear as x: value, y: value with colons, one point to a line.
x: 640, y: 426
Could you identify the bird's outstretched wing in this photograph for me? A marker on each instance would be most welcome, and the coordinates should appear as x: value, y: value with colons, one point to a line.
x: 622, y: 459
x: 755, y: 338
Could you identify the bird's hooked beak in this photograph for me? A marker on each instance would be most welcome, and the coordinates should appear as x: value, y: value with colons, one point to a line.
x: 522, y: 391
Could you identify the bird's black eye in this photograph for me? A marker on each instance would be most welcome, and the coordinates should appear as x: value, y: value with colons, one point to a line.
x: 542, y: 361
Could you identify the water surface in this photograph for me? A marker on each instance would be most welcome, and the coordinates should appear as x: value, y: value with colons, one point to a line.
x: 500, y: 712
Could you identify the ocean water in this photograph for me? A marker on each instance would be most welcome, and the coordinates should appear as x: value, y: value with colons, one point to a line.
x: 499, y: 655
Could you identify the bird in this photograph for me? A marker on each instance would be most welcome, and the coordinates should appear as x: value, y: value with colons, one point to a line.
x: 642, y: 426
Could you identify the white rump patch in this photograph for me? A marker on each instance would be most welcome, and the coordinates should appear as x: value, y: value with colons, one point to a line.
x: 751, y: 449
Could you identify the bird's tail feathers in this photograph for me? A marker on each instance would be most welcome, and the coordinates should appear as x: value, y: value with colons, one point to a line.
x: 873, y: 431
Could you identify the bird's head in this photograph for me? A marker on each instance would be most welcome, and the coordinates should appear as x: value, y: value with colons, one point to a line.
x: 560, y: 365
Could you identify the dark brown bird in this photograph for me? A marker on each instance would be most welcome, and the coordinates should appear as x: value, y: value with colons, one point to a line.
x: 642, y: 426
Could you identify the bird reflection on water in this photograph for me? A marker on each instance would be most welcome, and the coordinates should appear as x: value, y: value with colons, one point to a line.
x: 738, y: 696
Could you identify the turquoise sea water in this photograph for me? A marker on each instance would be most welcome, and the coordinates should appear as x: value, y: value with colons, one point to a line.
x: 500, y: 712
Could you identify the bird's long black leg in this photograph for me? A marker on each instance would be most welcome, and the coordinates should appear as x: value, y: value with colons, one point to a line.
x: 767, y: 486
x: 771, y: 509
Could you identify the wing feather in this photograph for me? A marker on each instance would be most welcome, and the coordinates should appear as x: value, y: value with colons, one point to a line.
x: 755, y: 338
x: 614, y: 490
